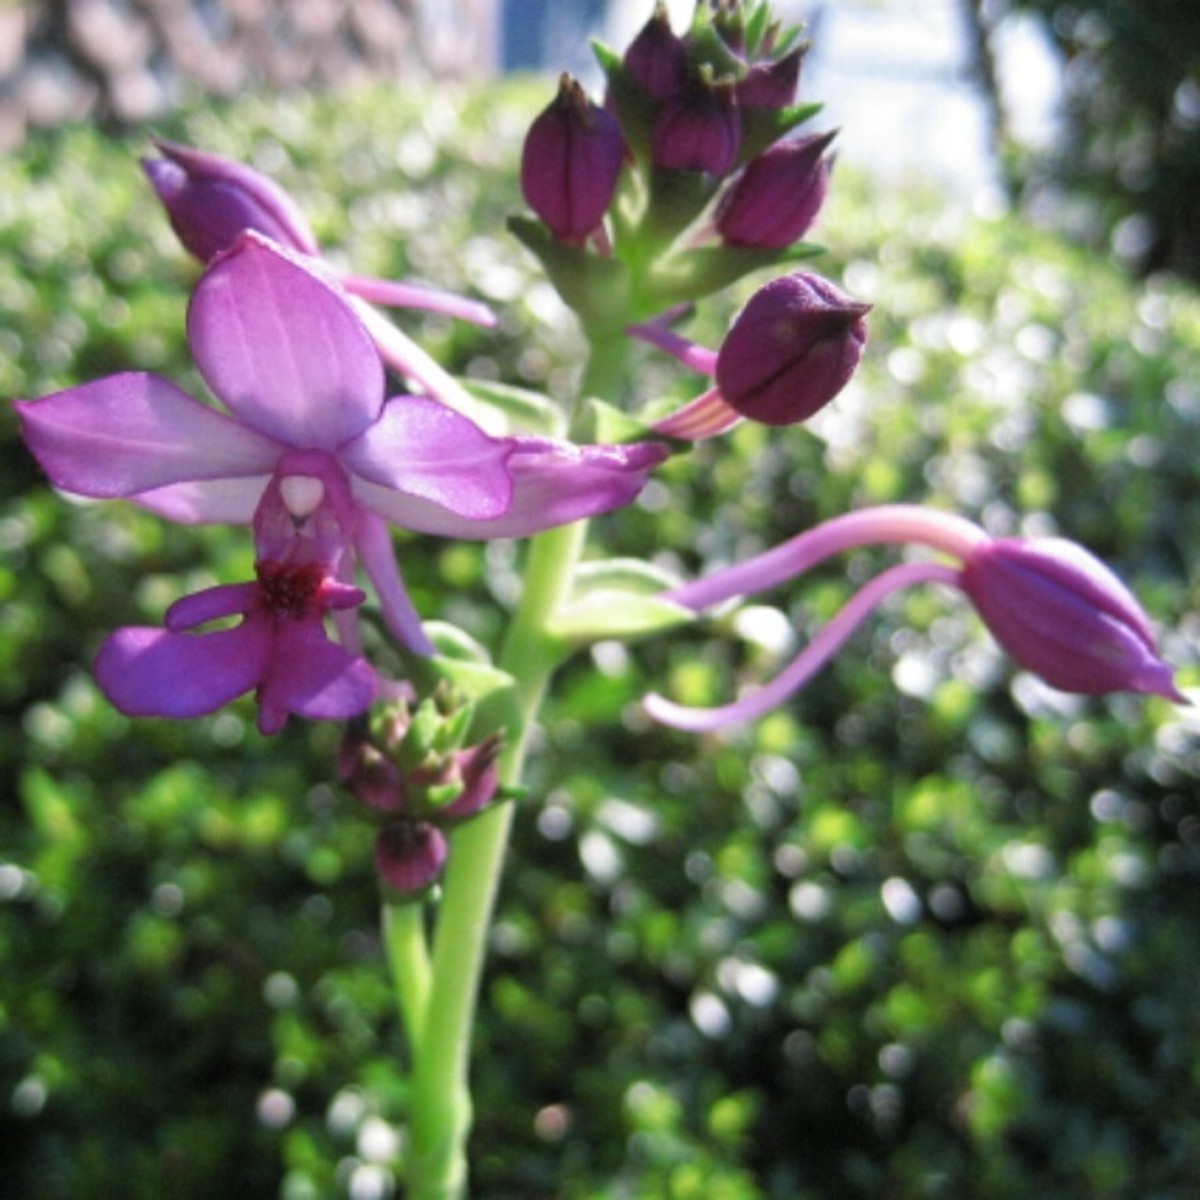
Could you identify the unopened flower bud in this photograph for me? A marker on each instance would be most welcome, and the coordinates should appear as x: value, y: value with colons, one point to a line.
x: 791, y: 350
x: 410, y: 855
x: 1062, y: 614
x: 772, y: 84
x: 571, y: 162
x: 657, y: 58
x: 776, y: 199
x: 479, y: 770
x: 699, y: 129
x: 211, y: 200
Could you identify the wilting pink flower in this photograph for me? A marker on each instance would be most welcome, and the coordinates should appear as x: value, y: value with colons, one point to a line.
x: 410, y: 855
x: 418, y: 792
x: 212, y: 200
x: 1054, y: 607
x: 303, y: 386
x: 570, y: 163
x: 776, y: 198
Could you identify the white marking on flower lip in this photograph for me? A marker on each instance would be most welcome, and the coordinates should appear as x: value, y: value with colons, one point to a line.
x: 301, y: 494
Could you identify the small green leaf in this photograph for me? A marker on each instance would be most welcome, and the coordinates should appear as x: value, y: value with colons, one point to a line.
x: 621, y: 574
x: 690, y: 274
x: 617, y: 613
x: 596, y: 288
x: 761, y: 127
x: 462, y: 661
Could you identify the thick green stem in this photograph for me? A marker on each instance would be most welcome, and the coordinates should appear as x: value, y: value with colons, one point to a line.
x: 441, y: 1104
x: 408, y: 954
x: 441, y: 1115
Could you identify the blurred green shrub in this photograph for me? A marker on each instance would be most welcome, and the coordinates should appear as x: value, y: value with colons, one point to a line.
x: 929, y: 931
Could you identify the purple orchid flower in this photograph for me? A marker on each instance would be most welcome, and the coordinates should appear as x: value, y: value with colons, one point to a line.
x: 310, y: 441
x: 1053, y: 606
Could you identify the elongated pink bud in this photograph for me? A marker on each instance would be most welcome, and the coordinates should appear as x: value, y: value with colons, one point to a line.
x: 571, y: 162
x: 657, y: 58
x: 776, y: 199
x: 1064, y: 615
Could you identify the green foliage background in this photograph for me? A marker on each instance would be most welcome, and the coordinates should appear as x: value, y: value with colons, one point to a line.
x: 928, y: 932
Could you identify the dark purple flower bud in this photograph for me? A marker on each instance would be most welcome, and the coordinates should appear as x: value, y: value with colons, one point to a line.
x: 657, y: 58
x: 571, y: 162
x: 772, y: 84
x: 776, y: 199
x: 211, y: 201
x: 410, y: 855
x: 374, y: 778
x: 791, y: 350
x: 699, y: 129
x: 1064, y: 615
x: 478, y: 768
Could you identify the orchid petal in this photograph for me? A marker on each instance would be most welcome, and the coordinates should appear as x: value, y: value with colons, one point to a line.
x: 554, y: 483
x: 282, y: 348
x: 312, y: 677
x: 425, y: 449
x: 421, y: 369
x: 374, y: 546
x: 134, y: 432
x: 147, y: 672
x: 206, y: 502
x: 212, y: 604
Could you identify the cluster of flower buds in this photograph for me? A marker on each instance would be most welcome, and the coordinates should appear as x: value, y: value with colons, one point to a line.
x: 410, y: 767
x: 688, y: 175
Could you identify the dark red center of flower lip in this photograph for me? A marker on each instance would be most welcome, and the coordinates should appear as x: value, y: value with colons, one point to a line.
x: 288, y: 591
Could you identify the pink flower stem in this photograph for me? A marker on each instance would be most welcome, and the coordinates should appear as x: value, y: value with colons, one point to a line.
x: 392, y: 294
x: 810, y: 660
x: 705, y: 416
x: 888, y: 524
x: 657, y: 334
x: 417, y: 366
